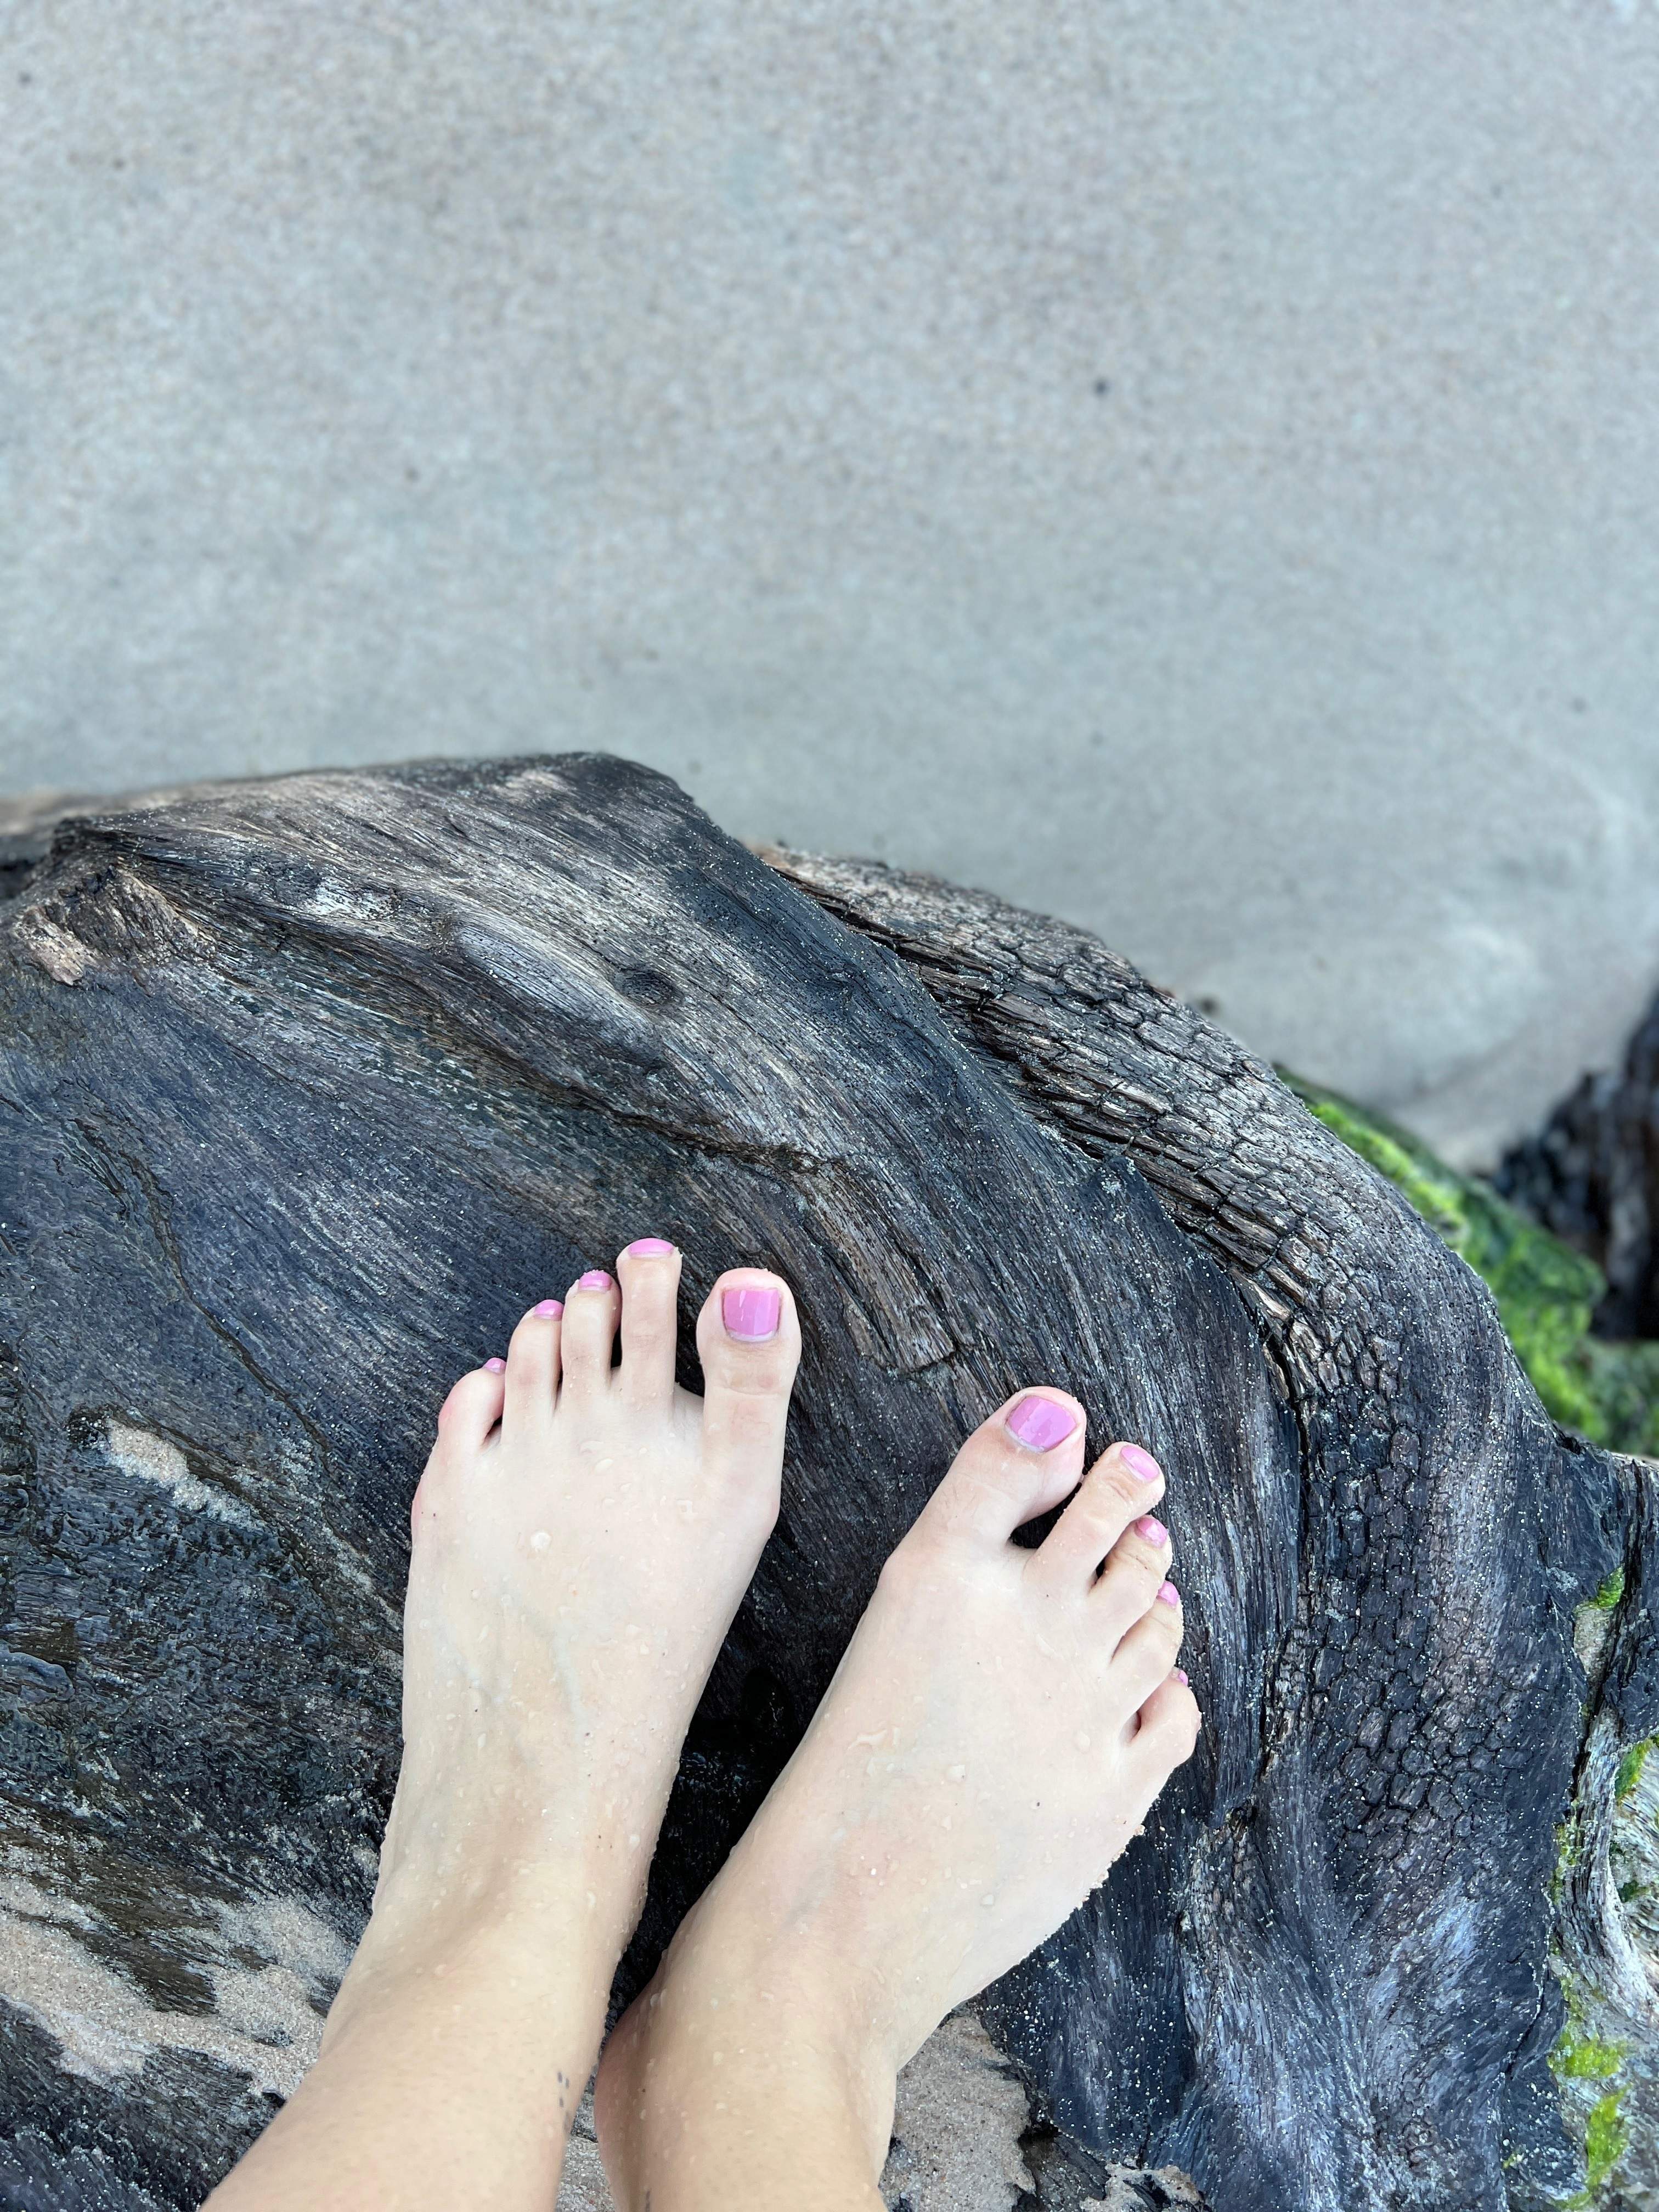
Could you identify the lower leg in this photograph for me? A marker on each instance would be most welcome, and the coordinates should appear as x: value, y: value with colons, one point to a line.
x: 996, y: 1731
x: 581, y: 1537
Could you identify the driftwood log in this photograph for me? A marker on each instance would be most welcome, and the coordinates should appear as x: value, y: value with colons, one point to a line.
x: 309, y: 1086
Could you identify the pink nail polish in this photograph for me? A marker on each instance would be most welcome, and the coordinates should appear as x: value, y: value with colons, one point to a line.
x: 751, y: 1313
x: 494, y: 1367
x: 1180, y: 1674
x: 1152, y: 1529
x: 595, y: 1279
x: 1042, y: 1423
x: 650, y: 1247
x: 1141, y: 1463
x: 549, y: 1306
x: 1168, y: 1594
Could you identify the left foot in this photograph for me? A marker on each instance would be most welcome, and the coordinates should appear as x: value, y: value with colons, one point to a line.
x: 582, y: 1536
x: 995, y: 1733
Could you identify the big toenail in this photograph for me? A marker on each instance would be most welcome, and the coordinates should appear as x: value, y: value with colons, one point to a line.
x: 595, y: 1279
x: 549, y: 1307
x: 1042, y: 1423
x: 1169, y: 1594
x: 1154, y: 1530
x: 752, y: 1313
x: 1141, y: 1463
x: 494, y: 1367
x: 650, y: 1247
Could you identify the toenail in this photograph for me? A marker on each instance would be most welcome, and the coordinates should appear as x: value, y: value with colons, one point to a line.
x: 650, y: 1247
x: 1042, y: 1423
x: 752, y: 1313
x: 1169, y: 1594
x: 549, y: 1307
x: 1141, y: 1463
x: 1180, y: 1674
x: 595, y: 1280
x: 1151, y: 1529
x: 495, y: 1366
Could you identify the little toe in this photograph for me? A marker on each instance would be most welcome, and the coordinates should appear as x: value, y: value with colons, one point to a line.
x: 1118, y: 1489
x: 1135, y: 1566
x: 1165, y: 1727
x: 1016, y: 1464
x: 473, y: 1406
x: 1146, y: 1652
x: 748, y: 1342
x: 591, y: 1307
x: 531, y: 1380
x: 649, y: 1272
x: 464, y: 1421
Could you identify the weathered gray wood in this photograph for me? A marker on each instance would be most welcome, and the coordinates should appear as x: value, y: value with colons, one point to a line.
x: 310, y: 1086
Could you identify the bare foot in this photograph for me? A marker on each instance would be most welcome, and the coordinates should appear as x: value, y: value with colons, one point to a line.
x: 995, y: 1733
x: 582, y: 1537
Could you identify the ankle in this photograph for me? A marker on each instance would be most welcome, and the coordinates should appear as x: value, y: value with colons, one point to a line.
x: 725, y: 2084
x: 516, y: 1949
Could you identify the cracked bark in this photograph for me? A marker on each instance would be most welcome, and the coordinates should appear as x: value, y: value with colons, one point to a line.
x: 312, y: 1084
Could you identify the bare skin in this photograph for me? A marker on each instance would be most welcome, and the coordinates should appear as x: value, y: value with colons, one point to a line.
x: 582, y: 1536
x: 998, y: 1728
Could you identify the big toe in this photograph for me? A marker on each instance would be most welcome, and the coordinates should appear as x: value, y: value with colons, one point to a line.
x: 1024, y: 1460
x: 749, y: 1341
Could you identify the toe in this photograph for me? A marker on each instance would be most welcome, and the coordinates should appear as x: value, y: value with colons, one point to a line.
x: 1146, y: 1652
x: 1118, y: 1489
x: 531, y: 1380
x: 649, y: 1273
x: 1164, y: 1728
x: 1136, y: 1564
x: 1018, y: 1464
x: 464, y: 1421
x: 473, y: 1406
x: 589, y: 1332
x: 749, y: 1341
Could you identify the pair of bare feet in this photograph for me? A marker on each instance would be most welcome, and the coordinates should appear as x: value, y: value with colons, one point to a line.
x: 583, y: 1533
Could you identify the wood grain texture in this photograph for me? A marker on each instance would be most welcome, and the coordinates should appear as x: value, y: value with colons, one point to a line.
x: 311, y: 1086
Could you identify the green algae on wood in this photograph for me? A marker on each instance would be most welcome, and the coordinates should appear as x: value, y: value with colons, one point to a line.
x: 1545, y: 1292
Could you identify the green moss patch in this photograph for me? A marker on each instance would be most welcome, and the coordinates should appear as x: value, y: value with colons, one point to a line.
x: 1545, y: 1292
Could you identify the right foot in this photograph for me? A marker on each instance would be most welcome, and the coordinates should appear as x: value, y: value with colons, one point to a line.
x: 996, y: 1731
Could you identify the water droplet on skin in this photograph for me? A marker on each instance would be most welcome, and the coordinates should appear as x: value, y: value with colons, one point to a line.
x: 633, y: 1842
x: 1081, y: 1740
x: 482, y: 1740
x: 947, y: 1820
x: 955, y: 1773
x: 540, y: 1540
x: 989, y: 1898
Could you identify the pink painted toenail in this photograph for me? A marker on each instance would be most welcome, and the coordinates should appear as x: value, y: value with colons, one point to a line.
x: 650, y: 1247
x: 1141, y: 1463
x: 549, y: 1307
x: 1180, y: 1674
x: 1154, y: 1530
x: 494, y: 1367
x: 595, y: 1280
x: 1169, y: 1594
x: 1042, y: 1423
x: 752, y: 1313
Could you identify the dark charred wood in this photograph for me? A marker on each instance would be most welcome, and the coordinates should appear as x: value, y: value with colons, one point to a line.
x: 1592, y: 1173
x: 310, y: 1086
